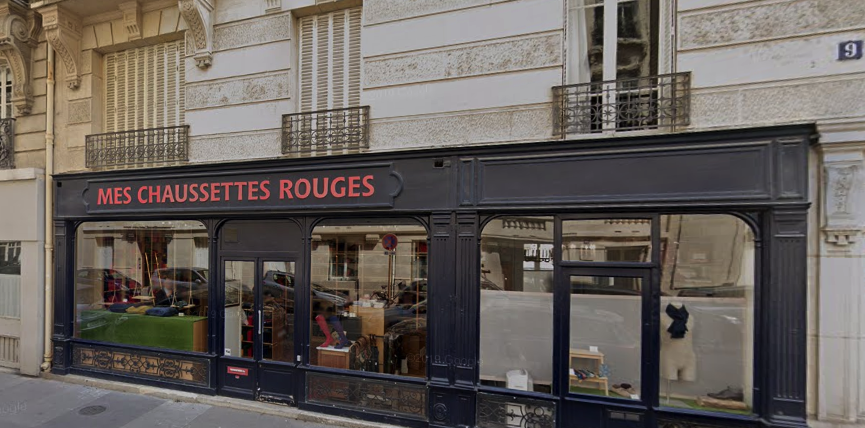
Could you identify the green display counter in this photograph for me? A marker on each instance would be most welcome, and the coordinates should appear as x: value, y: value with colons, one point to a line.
x: 183, y: 333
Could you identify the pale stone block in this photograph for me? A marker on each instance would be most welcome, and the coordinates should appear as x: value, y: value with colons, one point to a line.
x: 31, y: 123
x: 252, y: 32
x: 471, y: 25
x: 266, y: 144
x: 150, y: 23
x: 496, y: 57
x: 840, y: 287
x: 88, y: 38
x: 170, y: 19
x: 487, y: 126
x: 39, y: 87
x: 805, y: 101
x: 40, y: 69
x: 40, y: 52
x: 243, y: 61
x: 499, y: 90
x: 701, y: 4
x: 118, y: 31
x: 243, y: 118
x: 182, y: 25
x: 238, y: 91
x: 236, y: 10
x: 79, y: 111
x: 766, y: 20
x: 103, y: 34
x: 84, y: 88
x: 378, y: 11
x: 835, y: 378
x: 712, y: 109
x: 71, y: 161
x: 814, y: 56
x: 30, y: 142
x: 76, y: 135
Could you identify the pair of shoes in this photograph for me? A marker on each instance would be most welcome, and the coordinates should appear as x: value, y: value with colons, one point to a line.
x: 734, y: 394
x: 624, y: 389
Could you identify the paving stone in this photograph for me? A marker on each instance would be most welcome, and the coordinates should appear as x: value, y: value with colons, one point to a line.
x: 120, y: 409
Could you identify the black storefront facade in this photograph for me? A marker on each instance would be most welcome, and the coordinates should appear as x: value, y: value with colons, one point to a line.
x: 567, y: 284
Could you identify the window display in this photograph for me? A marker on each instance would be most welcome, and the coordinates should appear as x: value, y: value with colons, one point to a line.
x: 10, y: 279
x: 605, y: 343
x: 369, y: 296
x: 707, y: 313
x: 143, y: 283
x: 516, y: 309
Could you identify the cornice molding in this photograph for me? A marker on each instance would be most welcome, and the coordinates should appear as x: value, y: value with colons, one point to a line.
x: 63, y: 32
x: 19, y: 28
x: 132, y: 18
x: 198, y: 15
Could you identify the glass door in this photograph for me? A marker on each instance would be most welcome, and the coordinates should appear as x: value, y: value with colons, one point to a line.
x: 259, y: 322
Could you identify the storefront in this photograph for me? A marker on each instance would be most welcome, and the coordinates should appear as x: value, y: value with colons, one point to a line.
x: 648, y: 281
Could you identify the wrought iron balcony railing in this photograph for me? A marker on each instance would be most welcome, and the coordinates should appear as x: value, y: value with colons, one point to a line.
x: 326, y: 132
x: 7, y: 146
x: 652, y: 102
x: 138, y: 148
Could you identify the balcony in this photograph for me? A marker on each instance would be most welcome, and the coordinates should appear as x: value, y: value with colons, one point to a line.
x: 326, y: 132
x: 138, y: 148
x: 643, y: 103
x: 7, y: 146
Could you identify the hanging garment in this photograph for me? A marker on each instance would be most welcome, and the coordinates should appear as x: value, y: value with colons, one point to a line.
x: 679, y: 316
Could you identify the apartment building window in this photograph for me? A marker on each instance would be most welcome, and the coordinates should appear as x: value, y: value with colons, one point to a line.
x: 330, y: 119
x: 145, y: 87
x: 612, y: 72
x: 5, y: 92
x: 145, y: 101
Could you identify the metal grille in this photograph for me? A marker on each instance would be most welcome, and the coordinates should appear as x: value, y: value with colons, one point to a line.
x: 652, y: 102
x: 326, y: 132
x: 369, y: 395
x: 9, y: 351
x: 496, y: 411
x: 139, y: 148
x: 7, y: 149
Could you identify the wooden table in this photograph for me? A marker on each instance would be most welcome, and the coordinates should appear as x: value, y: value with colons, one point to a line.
x: 333, y: 358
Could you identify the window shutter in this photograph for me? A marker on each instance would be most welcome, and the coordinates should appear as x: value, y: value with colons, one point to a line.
x: 5, y: 92
x: 330, y: 60
x: 145, y: 87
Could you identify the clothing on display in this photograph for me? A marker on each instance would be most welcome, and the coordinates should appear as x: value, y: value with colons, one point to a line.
x: 343, y: 341
x: 322, y: 324
x: 678, y: 359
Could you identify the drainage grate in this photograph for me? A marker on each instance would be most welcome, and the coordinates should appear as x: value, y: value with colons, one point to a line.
x: 92, y: 410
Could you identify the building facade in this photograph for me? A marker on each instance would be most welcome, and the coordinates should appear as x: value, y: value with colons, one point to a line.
x: 461, y: 213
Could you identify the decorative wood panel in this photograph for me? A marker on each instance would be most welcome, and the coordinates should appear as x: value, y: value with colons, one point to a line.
x: 154, y: 365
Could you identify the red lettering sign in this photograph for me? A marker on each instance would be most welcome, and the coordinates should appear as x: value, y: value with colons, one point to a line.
x: 238, y: 371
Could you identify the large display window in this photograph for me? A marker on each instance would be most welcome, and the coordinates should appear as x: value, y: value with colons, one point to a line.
x: 368, y: 284
x: 143, y: 283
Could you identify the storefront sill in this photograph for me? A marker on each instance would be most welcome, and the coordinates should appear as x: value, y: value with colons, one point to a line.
x: 720, y: 418
x: 133, y: 384
x: 364, y: 375
x: 374, y: 418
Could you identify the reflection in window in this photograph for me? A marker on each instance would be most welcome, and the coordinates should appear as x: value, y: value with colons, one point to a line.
x: 134, y: 280
x: 605, y: 344
x: 369, y: 297
x: 607, y: 240
x: 10, y: 279
x: 707, y: 313
x: 516, y: 331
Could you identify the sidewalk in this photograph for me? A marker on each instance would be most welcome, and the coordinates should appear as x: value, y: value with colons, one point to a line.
x: 27, y: 402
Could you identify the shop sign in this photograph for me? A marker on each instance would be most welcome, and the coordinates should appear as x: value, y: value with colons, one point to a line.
x: 367, y: 186
x: 237, y: 371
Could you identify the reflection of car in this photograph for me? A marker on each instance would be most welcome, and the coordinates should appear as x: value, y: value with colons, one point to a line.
x: 108, y: 285
x: 726, y: 290
x: 412, y: 293
x: 397, y: 313
x: 278, y: 284
x: 189, y: 284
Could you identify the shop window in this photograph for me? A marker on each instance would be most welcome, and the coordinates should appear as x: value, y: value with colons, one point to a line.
x: 142, y: 283
x: 369, y: 312
x: 10, y: 279
x: 516, y: 309
x: 144, y: 87
x: 707, y: 313
x: 5, y: 92
x: 605, y: 340
x: 607, y: 240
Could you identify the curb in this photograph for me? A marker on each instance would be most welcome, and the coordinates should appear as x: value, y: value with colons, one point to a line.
x: 217, y: 401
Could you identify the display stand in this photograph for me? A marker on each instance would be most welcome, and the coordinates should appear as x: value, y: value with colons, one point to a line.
x: 333, y: 358
x: 581, y: 359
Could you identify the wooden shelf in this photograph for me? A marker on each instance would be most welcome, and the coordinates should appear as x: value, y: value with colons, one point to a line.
x: 578, y: 361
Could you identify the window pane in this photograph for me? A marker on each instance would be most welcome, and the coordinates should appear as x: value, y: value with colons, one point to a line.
x: 637, y: 43
x: 607, y: 240
x: 605, y: 345
x: 127, y: 289
x: 516, y: 331
x: 10, y: 279
x: 707, y: 313
x: 240, y: 320
x: 369, y: 297
x: 278, y: 329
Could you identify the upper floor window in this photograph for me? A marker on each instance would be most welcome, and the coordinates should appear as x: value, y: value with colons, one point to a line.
x: 144, y: 87
x: 5, y: 92
x: 330, y: 60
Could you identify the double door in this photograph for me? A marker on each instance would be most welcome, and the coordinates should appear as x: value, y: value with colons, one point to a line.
x: 258, y: 355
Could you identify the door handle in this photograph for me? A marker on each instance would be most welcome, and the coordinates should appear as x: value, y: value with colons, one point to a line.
x: 260, y: 328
